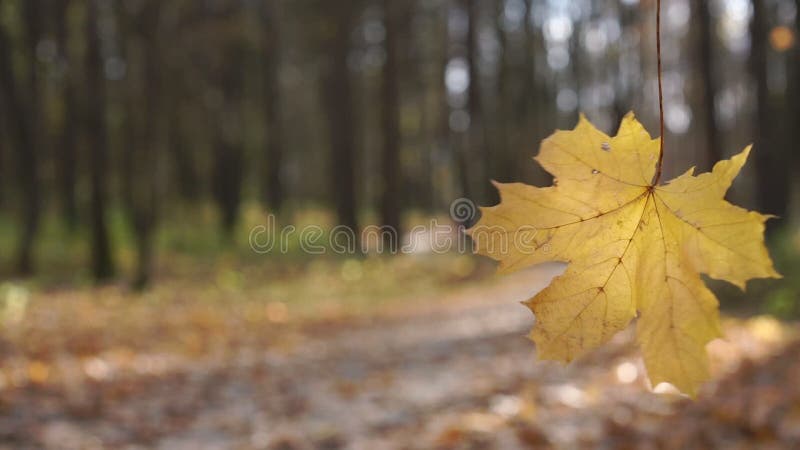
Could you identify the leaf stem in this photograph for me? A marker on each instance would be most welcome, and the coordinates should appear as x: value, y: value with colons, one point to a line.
x: 660, y: 94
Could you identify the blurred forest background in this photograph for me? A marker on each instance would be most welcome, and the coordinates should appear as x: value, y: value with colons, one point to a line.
x: 123, y: 120
x: 142, y: 140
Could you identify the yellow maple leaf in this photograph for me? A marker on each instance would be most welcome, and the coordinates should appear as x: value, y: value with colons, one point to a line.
x: 633, y: 247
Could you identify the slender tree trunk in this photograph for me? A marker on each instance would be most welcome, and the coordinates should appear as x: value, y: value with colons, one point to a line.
x: 274, y: 188
x: 794, y: 85
x: 67, y: 148
x: 448, y: 139
x: 792, y: 109
x: 132, y: 141
x: 713, y: 151
x: 340, y: 111
x: 188, y: 180
x: 770, y: 161
x: 390, y: 117
x: 13, y: 110
x: 97, y: 133
x: 576, y: 64
x: 3, y: 150
x: 29, y: 149
x: 429, y: 148
x: 477, y: 133
x: 130, y: 125
x: 503, y: 130
x: 228, y: 171
x: 530, y: 83
x: 415, y: 67
x: 147, y: 195
x: 229, y: 149
x: 623, y: 89
x: 535, y: 100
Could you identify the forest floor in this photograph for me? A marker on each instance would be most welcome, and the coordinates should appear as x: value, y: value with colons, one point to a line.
x: 449, y: 370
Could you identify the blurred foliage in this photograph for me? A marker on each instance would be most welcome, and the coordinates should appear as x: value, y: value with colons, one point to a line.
x: 783, y: 298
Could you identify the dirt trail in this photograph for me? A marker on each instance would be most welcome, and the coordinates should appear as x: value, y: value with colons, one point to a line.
x: 372, y: 385
x: 459, y: 376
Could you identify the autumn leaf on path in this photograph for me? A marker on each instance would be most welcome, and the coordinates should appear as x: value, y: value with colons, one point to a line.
x: 633, y: 248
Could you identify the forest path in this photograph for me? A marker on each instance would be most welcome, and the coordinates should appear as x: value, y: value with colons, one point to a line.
x: 367, y: 386
x: 461, y: 375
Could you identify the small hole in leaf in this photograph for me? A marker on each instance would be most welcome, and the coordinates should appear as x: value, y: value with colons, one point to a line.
x: 595, y: 171
x: 606, y: 146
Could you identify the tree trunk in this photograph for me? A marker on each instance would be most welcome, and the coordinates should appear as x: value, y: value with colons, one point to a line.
x: 770, y: 162
x: 229, y: 149
x: 14, y: 111
x: 188, y: 180
x: 97, y: 133
x: 67, y: 148
x: 794, y: 85
x: 274, y: 188
x: 228, y: 171
x: 3, y: 150
x: 622, y: 86
x: 129, y: 132
x: 503, y: 130
x: 478, y: 150
x: 713, y: 151
x: 456, y: 150
x: 340, y: 111
x: 577, y: 66
x: 390, y: 207
x: 535, y: 101
x: 146, y: 191
x: 29, y: 148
